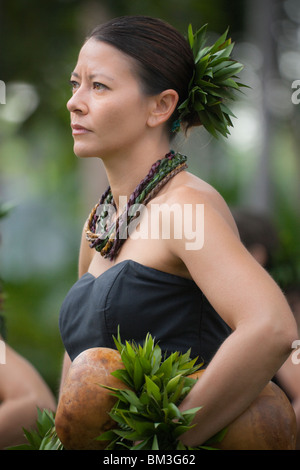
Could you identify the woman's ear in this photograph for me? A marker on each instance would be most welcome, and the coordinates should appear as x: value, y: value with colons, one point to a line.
x: 162, y: 107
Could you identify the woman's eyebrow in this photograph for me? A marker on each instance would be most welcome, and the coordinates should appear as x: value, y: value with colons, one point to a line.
x: 93, y: 75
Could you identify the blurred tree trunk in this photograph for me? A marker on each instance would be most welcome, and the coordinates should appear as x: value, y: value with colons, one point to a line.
x: 260, y: 18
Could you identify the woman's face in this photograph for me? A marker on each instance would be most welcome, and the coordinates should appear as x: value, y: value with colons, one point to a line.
x: 108, y: 110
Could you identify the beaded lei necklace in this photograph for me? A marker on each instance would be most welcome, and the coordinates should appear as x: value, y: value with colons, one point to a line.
x: 107, y: 236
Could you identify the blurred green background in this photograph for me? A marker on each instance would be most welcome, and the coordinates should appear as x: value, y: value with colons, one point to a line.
x: 52, y: 191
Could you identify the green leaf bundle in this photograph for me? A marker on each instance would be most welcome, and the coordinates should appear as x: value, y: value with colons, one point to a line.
x: 147, y: 414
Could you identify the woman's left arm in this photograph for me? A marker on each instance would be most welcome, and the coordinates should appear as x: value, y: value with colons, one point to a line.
x: 250, y: 302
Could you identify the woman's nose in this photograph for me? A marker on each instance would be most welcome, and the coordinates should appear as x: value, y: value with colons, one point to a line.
x: 77, y: 103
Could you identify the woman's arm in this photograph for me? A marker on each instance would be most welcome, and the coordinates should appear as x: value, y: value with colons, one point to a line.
x: 85, y: 255
x: 253, y: 306
x: 22, y: 391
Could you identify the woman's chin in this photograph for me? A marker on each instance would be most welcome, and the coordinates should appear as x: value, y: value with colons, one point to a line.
x: 82, y: 152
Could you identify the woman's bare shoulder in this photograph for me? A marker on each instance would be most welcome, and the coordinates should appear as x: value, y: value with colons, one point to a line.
x: 188, y: 188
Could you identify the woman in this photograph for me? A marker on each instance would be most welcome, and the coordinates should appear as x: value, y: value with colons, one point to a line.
x: 132, y: 75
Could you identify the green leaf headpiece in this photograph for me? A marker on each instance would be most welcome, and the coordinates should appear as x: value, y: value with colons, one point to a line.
x: 213, y: 83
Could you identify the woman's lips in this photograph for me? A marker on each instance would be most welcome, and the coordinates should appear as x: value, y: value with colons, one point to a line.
x: 79, y: 130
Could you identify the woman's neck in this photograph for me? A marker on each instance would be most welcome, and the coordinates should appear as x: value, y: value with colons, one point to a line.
x: 127, y: 169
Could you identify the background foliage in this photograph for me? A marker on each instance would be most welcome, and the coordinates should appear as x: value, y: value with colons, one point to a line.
x: 53, y: 191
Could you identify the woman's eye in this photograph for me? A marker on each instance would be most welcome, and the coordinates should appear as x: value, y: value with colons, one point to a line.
x: 99, y: 86
x: 74, y: 85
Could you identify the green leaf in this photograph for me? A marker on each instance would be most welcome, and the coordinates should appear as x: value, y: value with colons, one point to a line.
x: 178, y: 394
x: 228, y: 71
x: 223, y: 53
x: 142, y: 426
x: 129, y: 350
x: 199, y: 41
x: 127, y: 361
x: 220, y: 64
x: 190, y: 35
x: 156, y: 359
x: 148, y: 345
x: 106, y: 436
x: 33, y: 438
x: 155, y: 445
x: 153, y: 389
x: 226, y: 110
x: 172, y: 411
x: 205, y: 120
x: 138, y: 374
x: 131, y: 398
x: 123, y: 375
x: 230, y: 83
x: 220, y: 42
x: 223, y: 93
x: 190, y: 414
x: 201, y: 67
x: 45, y: 421
x: 181, y: 430
x: 207, y: 84
x: 165, y: 368
x: 173, y: 383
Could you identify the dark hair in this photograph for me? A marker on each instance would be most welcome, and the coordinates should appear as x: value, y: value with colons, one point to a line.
x: 163, y: 56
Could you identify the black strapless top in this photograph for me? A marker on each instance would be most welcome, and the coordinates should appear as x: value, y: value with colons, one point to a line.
x: 140, y: 300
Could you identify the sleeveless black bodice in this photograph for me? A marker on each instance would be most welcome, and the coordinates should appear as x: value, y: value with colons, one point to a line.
x: 140, y: 300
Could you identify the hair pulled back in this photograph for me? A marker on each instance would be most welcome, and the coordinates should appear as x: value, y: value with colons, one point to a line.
x: 163, y: 56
